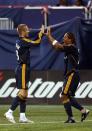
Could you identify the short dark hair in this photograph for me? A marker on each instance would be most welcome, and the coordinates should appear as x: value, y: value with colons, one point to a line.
x: 72, y: 37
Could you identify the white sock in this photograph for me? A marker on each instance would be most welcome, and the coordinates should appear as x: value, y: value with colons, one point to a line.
x: 10, y: 111
x: 72, y: 118
x: 83, y: 110
x: 22, y: 115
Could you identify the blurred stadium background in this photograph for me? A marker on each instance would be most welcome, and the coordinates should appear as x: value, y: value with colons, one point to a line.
x: 47, y: 65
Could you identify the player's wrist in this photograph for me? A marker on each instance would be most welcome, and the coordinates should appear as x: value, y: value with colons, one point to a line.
x: 54, y: 42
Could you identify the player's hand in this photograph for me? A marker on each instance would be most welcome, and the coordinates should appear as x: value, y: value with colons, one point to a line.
x: 42, y: 29
x: 48, y: 33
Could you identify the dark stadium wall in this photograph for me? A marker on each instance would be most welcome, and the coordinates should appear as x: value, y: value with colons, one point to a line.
x: 21, y: 15
x: 36, y: 2
x: 81, y: 30
x: 29, y: 2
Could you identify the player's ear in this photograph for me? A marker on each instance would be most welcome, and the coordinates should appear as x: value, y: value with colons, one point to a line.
x: 17, y: 29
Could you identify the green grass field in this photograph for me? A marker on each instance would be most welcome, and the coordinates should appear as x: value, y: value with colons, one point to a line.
x: 46, y: 118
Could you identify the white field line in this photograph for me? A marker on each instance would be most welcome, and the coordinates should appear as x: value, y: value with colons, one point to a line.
x: 45, y: 122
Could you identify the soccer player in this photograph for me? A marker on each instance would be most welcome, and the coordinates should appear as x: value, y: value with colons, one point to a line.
x: 22, y: 71
x: 71, y: 74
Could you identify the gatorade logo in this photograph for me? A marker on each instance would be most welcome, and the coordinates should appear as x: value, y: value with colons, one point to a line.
x: 47, y: 89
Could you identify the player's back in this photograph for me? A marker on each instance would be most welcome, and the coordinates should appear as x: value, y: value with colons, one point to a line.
x: 22, y: 51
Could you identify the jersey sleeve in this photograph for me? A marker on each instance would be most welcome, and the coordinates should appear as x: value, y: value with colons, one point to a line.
x: 68, y: 48
x: 34, y: 42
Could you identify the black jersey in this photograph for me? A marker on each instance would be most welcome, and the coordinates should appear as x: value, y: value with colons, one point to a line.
x: 71, y: 58
x: 23, y: 51
x: 23, y: 48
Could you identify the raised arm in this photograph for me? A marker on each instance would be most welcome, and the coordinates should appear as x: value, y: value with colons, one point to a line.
x: 53, y: 42
x: 38, y: 40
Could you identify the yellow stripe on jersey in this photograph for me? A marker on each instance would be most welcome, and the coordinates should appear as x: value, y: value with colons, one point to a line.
x: 66, y: 88
x: 23, y: 76
x: 40, y: 35
x: 34, y: 41
x: 66, y: 100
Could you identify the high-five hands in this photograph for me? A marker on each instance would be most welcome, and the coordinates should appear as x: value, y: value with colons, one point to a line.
x: 48, y: 32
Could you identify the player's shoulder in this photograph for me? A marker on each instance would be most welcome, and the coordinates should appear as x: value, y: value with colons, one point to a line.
x: 20, y: 40
x: 73, y: 46
x: 17, y: 41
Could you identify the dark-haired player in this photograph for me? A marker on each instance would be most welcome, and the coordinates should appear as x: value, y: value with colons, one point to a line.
x: 71, y: 74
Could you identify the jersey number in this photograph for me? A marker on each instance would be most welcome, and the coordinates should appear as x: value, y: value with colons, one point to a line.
x: 17, y: 55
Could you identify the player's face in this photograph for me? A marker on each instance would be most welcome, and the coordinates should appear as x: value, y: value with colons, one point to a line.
x: 26, y: 31
x: 66, y: 40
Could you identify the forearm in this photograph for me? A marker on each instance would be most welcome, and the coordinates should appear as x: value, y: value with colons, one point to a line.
x: 38, y: 39
x: 40, y: 35
x: 51, y: 39
x: 55, y: 43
